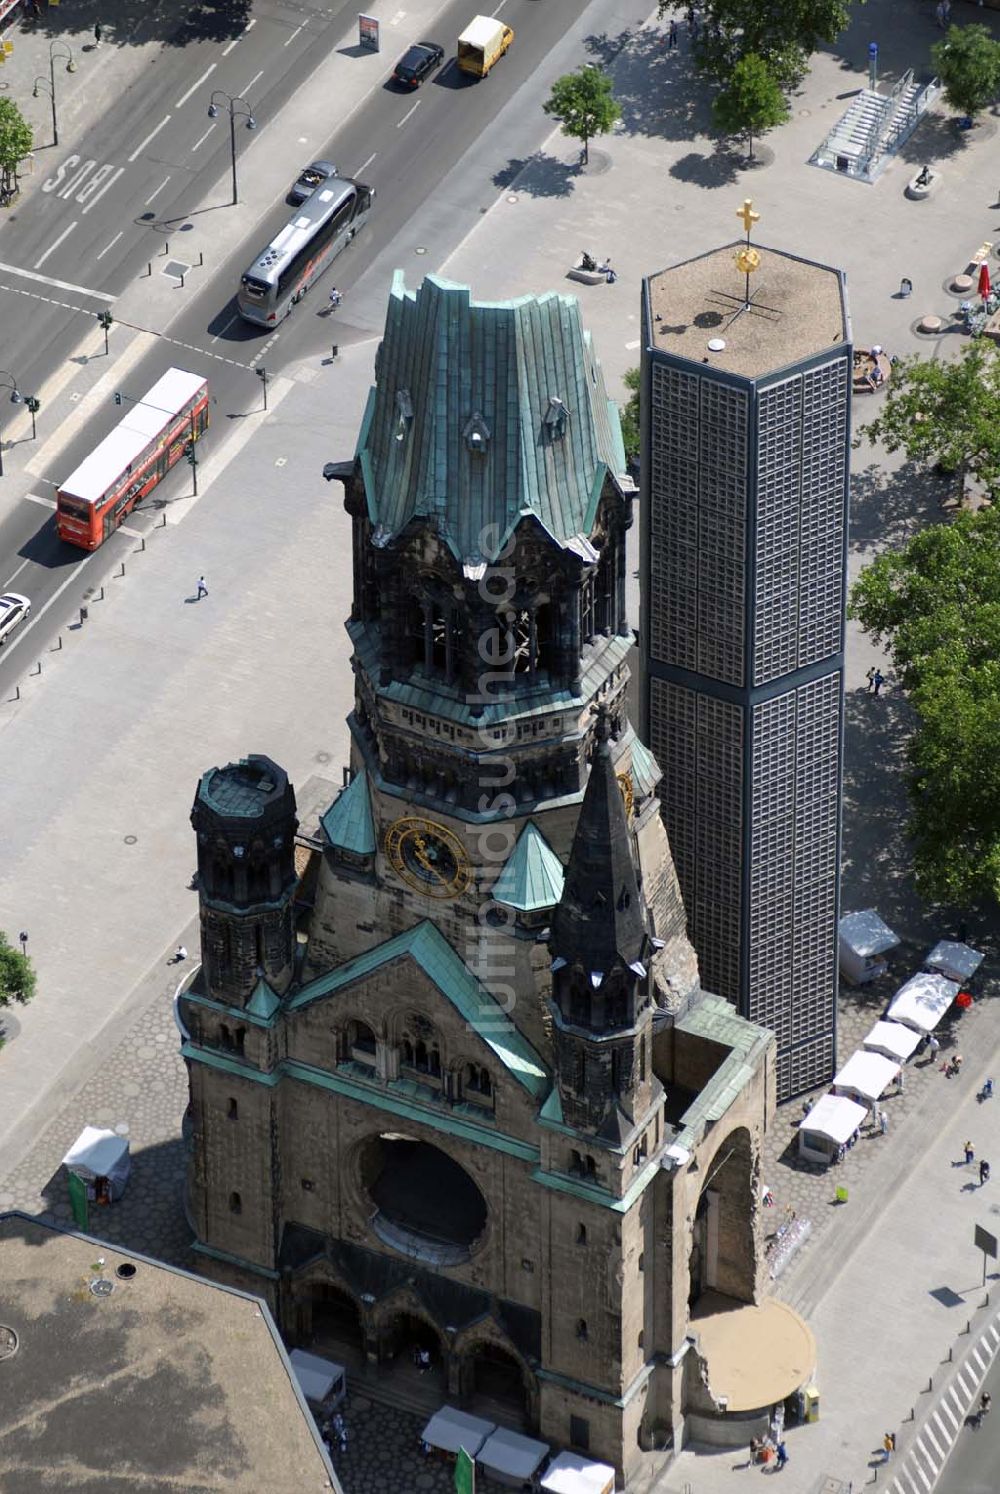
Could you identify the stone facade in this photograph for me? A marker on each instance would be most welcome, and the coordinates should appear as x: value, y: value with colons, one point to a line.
x: 471, y: 1096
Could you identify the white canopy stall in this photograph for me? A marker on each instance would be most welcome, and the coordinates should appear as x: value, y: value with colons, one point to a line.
x: 322, y: 1381
x: 100, y: 1158
x: 830, y: 1124
x: 450, y: 1430
x: 923, y: 1001
x: 866, y: 1076
x: 863, y: 939
x: 955, y: 961
x: 509, y: 1458
x: 571, y: 1474
x: 892, y: 1039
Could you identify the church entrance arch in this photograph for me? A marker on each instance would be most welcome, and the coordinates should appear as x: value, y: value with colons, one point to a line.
x: 337, y: 1327
x: 412, y: 1350
x: 494, y: 1384
x: 723, y: 1253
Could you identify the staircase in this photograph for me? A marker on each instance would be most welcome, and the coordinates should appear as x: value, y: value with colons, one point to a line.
x: 874, y: 128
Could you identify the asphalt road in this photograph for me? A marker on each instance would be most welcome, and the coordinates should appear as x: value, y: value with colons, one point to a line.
x: 163, y: 146
x: 974, y: 1465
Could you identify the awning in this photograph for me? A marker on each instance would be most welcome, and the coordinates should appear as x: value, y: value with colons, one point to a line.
x: 98, y: 1154
x: 866, y: 1074
x: 866, y: 934
x: 892, y: 1039
x: 835, y: 1117
x: 923, y: 1001
x: 571, y: 1474
x: 956, y: 961
x: 317, y: 1377
x: 508, y: 1453
x: 449, y: 1430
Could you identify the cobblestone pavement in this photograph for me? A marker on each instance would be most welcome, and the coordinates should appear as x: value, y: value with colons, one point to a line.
x: 383, y: 1453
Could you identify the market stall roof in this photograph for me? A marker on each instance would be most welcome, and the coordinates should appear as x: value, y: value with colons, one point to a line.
x: 509, y: 1452
x: 923, y: 1001
x: 96, y: 1153
x: 571, y: 1474
x: 866, y: 933
x: 316, y: 1376
x: 892, y: 1039
x: 956, y: 961
x: 868, y: 1073
x: 449, y: 1430
x: 835, y: 1117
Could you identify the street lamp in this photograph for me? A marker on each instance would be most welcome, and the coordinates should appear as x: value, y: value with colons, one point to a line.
x: 262, y: 375
x: 15, y: 399
x: 246, y: 112
x: 65, y: 55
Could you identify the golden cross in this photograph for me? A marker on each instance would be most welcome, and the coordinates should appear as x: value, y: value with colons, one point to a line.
x: 748, y: 215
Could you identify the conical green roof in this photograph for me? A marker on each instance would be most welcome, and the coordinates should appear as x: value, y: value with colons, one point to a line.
x: 263, y: 1002
x: 348, y: 823
x: 532, y: 878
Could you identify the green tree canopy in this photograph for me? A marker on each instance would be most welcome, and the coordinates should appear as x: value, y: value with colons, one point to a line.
x: 17, y: 975
x: 784, y: 33
x: 936, y: 604
x: 946, y: 413
x: 15, y: 143
x: 967, y: 60
x: 629, y: 413
x: 584, y: 105
x: 751, y: 101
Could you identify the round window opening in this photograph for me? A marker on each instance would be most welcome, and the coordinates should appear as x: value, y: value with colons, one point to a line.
x: 426, y: 1204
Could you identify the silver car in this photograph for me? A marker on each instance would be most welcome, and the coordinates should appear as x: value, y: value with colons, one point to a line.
x: 312, y: 177
x: 13, y: 610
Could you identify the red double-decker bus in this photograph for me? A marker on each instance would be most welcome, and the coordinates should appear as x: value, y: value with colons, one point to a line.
x: 130, y: 461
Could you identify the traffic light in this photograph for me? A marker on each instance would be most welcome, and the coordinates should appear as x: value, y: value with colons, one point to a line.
x: 118, y: 399
x: 105, y: 319
x: 190, y: 453
x: 34, y: 404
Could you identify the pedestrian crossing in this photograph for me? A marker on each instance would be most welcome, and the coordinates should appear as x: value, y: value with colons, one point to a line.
x: 920, y: 1466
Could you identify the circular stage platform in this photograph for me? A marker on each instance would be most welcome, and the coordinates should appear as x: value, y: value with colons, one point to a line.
x: 757, y: 1356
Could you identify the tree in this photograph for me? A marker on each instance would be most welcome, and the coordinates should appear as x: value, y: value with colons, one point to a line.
x: 17, y: 976
x: 15, y: 143
x: 784, y: 33
x: 629, y: 413
x: 967, y: 61
x: 947, y: 414
x: 584, y: 104
x: 751, y: 102
x: 937, y: 604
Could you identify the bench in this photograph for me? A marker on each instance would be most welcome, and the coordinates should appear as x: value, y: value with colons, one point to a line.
x: 588, y: 277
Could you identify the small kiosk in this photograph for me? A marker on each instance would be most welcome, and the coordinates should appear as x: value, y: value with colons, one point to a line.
x: 863, y: 940
x: 829, y: 1125
x: 510, y: 1459
x: 100, y: 1161
x: 954, y: 961
x: 923, y: 1001
x: 322, y: 1382
x: 892, y: 1039
x: 866, y: 1076
x: 571, y: 1474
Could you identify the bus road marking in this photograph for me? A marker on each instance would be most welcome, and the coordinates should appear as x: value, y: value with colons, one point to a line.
x: 406, y: 116
x: 63, y: 285
x: 151, y: 136
x: 247, y: 86
x: 367, y: 163
x: 156, y: 192
x: 45, y: 502
x: 111, y: 245
x: 55, y: 245
x: 195, y: 86
x: 294, y: 34
x: 202, y: 138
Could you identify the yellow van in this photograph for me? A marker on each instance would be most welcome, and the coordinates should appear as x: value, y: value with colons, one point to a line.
x: 481, y: 44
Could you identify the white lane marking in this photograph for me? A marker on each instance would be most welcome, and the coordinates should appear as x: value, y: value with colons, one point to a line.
x: 98, y: 195
x: 111, y: 245
x: 55, y: 245
x: 151, y: 136
x: 250, y: 25
x: 11, y: 579
x: 229, y: 46
x: 36, y: 617
x: 156, y: 192
x: 45, y: 503
x: 246, y: 89
x: 195, y: 86
x: 367, y: 163
x: 202, y: 138
x: 63, y: 285
x: 231, y: 322
x: 406, y: 116
x: 935, y: 1443
x: 135, y: 534
x: 294, y: 34
x: 499, y: 7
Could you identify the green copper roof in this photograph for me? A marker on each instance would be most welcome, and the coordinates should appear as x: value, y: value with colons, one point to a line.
x: 533, y: 875
x: 348, y: 822
x: 263, y: 1002
x: 484, y: 413
x: 645, y: 769
x: 441, y: 964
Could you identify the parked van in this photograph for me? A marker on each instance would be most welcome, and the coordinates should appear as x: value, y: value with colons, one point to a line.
x: 481, y: 44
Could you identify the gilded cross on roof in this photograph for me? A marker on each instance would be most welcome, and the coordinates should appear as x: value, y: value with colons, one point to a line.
x: 748, y: 215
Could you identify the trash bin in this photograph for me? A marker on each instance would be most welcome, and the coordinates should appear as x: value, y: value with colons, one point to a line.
x: 811, y: 1397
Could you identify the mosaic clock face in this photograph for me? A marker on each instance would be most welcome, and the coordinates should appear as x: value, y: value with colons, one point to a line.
x: 428, y: 857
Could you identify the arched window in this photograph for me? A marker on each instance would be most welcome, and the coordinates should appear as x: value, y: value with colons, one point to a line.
x: 239, y: 1037
x: 478, y: 1079
x: 581, y: 1329
x: 235, y: 1204
x: 408, y: 1054
x: 361, y: 1043
x: 233, y: 1111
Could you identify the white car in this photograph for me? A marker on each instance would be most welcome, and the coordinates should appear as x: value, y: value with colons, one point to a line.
x: 13, y: 610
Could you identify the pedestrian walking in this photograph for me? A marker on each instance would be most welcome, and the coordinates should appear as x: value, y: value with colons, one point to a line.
x: 180, y: 955
x: 878, y: 680
x: 883, y: 1123
x: 932, y: 1047
x: 947, y: 11
x: 939, y: 14
x: 202, y: 589
x: 870, y: 677
x: 672, y: 35
x: 888, y: 1446
x: 98, y: 33
x: 984, y: 1173
x: 970, y: 1153
x: 782, y: 1456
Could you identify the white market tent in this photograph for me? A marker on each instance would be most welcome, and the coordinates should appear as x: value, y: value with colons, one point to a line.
x: 510, y: 1458
x: 862, y: 939
x: 100, y: 1154
x: 955, y: 961
x: 450, y: 1430
x: 320, y: 1380
x: 892, y: 1039
x: 866, y: 1075
x: 831, y: 1123
x: 571, y: 1474
x: 923, y: 1001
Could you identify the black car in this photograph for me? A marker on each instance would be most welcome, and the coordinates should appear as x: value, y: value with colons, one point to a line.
x: 416, y: 64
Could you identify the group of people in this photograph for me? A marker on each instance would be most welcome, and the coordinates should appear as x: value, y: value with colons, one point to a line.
x: 335, y: 1432
x: 763, y: 1450
x: 589, y: 263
